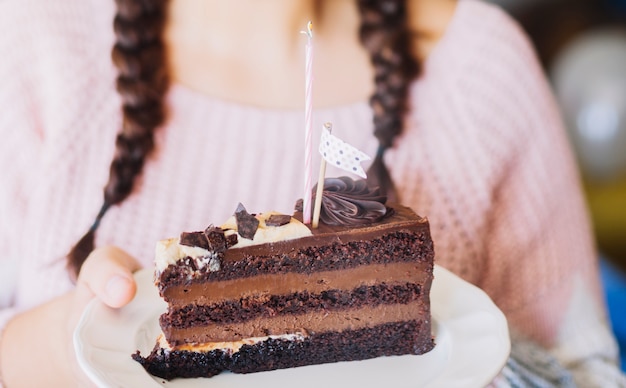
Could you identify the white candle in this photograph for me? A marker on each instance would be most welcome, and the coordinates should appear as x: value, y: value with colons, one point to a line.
x: 308, y: 124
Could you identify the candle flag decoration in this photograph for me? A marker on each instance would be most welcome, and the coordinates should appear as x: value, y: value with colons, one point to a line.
x: 339, y: 154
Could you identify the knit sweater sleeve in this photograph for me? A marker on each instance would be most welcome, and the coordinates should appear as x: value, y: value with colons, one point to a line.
x: 539, y: 239
x: 21, y: 138
x: 53, y: 66
x: 540, y: 242
x: 48, y: 60
x: 21, y: 135
x: 487, y: 159
x: 541, y: 262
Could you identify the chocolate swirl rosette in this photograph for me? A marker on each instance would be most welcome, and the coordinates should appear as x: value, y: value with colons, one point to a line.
x: 349, y: 202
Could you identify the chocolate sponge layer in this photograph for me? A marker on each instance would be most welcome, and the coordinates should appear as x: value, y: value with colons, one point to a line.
x: 398, y: 338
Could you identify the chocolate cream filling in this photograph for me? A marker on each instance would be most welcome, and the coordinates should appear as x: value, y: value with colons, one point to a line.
x: 307, y: 323
x: 282, y: 284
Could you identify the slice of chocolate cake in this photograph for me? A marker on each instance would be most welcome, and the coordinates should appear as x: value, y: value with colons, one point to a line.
x: 265, y: 291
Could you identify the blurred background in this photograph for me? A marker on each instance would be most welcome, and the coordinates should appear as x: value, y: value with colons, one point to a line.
x: 582, y: 46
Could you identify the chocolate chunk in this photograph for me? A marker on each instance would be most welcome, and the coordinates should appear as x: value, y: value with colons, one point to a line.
x: 247, y: 224
x: 194, y: 239
x: 278, y: 220
x: 231, y: 240
x: 216, y: 239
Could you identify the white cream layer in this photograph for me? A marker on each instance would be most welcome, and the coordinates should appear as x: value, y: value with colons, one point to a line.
x: 230, y: 347
x: 170, y: 251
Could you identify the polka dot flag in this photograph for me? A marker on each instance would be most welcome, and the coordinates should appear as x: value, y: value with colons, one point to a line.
x: 341, y: 154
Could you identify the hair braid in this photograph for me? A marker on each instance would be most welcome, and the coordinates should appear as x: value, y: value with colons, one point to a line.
x: 139, y: 55
x: 385, y: 34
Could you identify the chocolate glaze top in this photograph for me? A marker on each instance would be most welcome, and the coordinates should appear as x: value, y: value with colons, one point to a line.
x: 399, y: 218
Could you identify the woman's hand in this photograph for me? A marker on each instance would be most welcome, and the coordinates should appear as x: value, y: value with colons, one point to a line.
x: 36, y: 347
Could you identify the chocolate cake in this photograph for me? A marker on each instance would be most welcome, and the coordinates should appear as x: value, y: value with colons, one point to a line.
x: 265, y: 291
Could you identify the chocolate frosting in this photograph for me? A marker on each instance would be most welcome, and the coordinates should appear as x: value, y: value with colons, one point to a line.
x: 349, y: 202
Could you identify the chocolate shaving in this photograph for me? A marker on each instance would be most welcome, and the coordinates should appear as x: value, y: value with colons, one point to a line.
x: 216, y: 239
x: 194, y: 239
x: 247, y: 224
x: 278, y: 220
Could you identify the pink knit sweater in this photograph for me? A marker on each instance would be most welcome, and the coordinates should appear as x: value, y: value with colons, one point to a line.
x: 484, y: 156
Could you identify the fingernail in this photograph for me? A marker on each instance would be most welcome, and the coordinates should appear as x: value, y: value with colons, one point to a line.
x: 117, y: 288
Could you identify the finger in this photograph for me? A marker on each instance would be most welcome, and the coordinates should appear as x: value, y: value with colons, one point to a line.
x: 108, y: 275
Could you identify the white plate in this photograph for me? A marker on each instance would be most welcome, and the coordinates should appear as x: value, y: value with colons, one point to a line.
x: 471, y: 336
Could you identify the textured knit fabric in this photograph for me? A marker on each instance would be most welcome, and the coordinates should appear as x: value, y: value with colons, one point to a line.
x: 530, y: 366
x: 483, y: 156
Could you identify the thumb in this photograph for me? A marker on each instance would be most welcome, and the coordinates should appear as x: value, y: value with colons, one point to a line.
x: 107, y: 274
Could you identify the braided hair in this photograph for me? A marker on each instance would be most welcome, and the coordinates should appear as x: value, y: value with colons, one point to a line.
x: 384, y: 33
x: 139, y: 55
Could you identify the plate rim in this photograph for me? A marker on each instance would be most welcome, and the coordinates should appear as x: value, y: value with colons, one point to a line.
x: 444, y: 288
